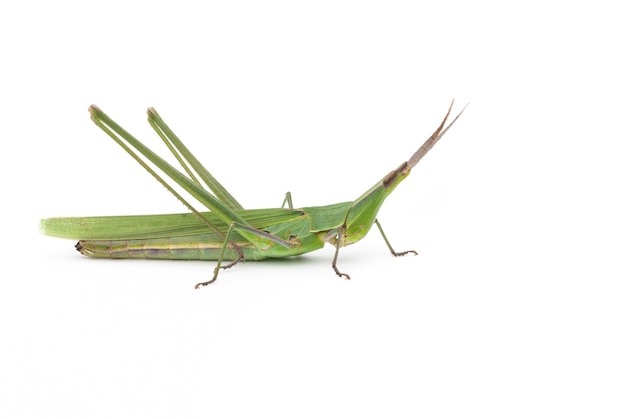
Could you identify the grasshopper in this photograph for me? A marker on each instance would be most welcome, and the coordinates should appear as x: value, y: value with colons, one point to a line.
x: 227, y: 233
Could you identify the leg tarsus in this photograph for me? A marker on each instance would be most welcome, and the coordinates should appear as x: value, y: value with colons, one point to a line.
x: 233, y: 263
x: 204, y: 284
x: 216, y: 271
x: 404, y: 253
x: 340, y: 274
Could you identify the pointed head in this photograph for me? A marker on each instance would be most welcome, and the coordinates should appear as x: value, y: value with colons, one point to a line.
x: 396, y: 176
x: 364, y: 210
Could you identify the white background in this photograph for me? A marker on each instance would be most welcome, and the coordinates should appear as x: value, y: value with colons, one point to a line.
x: 515, y: 306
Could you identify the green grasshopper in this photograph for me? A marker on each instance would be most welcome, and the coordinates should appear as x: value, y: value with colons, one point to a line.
x: 228, y: 232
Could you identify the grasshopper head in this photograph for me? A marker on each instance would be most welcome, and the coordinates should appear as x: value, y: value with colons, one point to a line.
x: 398, y: 175
x: 365, y: 208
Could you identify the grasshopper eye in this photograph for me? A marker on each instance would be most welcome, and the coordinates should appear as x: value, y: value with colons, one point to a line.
x: 391, y: 176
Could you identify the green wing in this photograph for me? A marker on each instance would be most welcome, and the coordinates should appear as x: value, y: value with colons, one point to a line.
x: 159, y: 226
